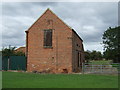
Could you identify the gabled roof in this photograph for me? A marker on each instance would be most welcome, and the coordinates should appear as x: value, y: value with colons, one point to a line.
x: 43, y: 14
x: 21, y: 49
x: 77, y: 35
x: 58, y: 18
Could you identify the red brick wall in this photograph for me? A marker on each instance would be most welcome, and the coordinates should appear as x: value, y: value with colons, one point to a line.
x: 55, y: 59
x: 77, y: 47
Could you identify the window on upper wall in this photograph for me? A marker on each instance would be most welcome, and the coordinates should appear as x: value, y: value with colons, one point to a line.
x: 48, y: 38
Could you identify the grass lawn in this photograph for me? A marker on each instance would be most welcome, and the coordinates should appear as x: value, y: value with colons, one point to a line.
x: 106, y: 62
x: 30, y: 80
x: 0, y: 80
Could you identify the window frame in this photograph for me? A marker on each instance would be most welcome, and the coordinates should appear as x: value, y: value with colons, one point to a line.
x: 45, y: 40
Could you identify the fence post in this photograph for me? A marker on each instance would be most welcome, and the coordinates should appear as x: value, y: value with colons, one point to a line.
x: 111, y: 68
x: 8, y: 63
x: 83, y: 68
x: 92, y: 68
x: 118, y: 68
x: 101, y: 68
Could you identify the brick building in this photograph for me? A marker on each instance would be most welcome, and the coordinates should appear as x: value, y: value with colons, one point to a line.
x: 21, y: 49
x: 52, y: 46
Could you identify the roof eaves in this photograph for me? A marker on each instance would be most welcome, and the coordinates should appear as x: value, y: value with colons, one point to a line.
x: 77, y: 35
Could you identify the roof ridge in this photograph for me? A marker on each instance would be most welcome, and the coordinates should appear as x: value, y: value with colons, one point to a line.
x: 48, y: 9
x: 38, y: 19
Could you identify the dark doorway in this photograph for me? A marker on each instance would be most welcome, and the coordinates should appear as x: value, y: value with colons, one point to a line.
x: 78, y: 59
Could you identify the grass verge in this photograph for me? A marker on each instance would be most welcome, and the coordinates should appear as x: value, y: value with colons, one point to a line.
x: 30, y: 80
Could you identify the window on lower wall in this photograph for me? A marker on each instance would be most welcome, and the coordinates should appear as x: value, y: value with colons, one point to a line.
x: 48, y: 38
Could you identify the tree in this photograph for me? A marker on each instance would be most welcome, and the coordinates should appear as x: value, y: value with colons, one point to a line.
x: 11, y: 52
x: 8, y: 51
x: 87, y: 56
x: 93, y: 55
x: 111, y: 41
x: 19, y: 53
x: 96, y: 55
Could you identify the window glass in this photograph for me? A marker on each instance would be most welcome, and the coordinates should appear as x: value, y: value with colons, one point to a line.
x: 48, y: 37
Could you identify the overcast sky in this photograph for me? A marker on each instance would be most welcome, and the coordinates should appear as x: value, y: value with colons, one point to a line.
x: 89, y: 20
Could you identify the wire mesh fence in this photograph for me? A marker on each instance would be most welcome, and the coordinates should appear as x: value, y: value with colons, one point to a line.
x: 113, y: 68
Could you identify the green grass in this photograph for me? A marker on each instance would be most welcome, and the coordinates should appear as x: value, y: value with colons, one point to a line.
x: 0, y: 80
x: 116, y: 65
x: 30, y: 80
x: 105, y: 62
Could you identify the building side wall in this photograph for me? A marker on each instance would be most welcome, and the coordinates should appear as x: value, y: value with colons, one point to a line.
x: 77, y: 47
x: 53, y: 59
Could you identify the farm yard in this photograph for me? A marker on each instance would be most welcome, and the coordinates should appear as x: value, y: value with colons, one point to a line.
x: 32, y: 80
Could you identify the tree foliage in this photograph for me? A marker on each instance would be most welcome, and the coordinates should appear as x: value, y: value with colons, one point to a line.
x: 111, y: 41
x: 8, y: 52
x: 93, y: 55
x: 96, y: 55
x: 11, y: 52
x: 87, y: 55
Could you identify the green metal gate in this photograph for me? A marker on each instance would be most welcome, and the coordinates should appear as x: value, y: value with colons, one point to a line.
x: 5, y: 63
x: 14, y: 63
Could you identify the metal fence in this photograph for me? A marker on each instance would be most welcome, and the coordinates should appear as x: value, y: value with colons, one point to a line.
x: 14, y: 63
x: 0, y: 62
x: 113, y: 68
